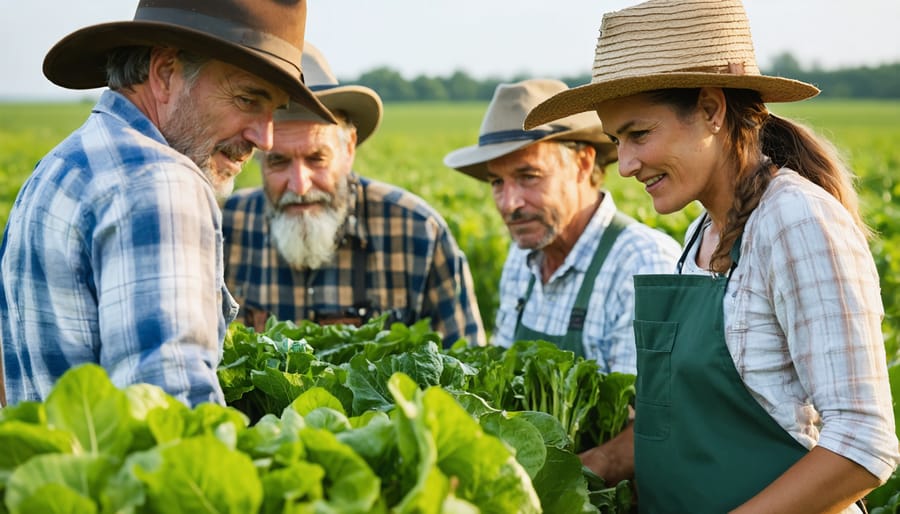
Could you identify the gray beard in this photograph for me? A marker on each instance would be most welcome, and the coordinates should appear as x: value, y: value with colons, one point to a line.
x: 307, y: 240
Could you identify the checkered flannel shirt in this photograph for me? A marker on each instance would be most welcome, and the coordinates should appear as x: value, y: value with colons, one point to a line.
x: 413, y: 266
x: 113, y: 255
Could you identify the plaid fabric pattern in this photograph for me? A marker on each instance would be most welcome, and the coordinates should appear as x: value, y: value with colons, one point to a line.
x: 803, y: 318
x: 608, y: 333
x: 413, y: 266
x: 113, y: 255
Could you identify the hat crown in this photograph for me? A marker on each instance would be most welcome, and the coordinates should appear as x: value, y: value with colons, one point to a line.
x: 512, y: 103
x: 707, y: 36
x: 274, y: 26
x: 316, y: 69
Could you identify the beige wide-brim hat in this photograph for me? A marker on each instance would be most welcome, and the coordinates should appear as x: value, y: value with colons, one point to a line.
x: 262, y: 37
x: 662, y: 44
x: 501, y: 130
x: 361, y: 105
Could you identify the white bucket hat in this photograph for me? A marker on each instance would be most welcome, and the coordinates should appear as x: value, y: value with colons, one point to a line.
x: 501, y: 130
x: 360, y: 104
x: 662, y: 44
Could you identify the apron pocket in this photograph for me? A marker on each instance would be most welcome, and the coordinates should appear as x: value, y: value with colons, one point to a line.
x: 654, y: 341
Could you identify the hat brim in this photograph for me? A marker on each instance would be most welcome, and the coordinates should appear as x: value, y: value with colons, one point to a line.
x: 472, y: 160
x: 588, y: 97
x: 362, y: 105
x: 78, y: 61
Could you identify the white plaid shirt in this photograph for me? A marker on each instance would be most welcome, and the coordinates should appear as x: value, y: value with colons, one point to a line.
x: 803, y: 318
x: 608, y: 331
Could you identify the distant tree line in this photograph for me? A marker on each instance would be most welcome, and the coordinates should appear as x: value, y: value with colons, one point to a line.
x: 880, y: 82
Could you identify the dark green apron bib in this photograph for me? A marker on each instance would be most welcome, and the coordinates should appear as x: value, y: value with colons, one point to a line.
x: 573, y: 339
x: 702, y: 443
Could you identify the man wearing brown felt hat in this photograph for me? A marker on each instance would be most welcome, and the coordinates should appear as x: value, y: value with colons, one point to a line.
x: 113, y: 251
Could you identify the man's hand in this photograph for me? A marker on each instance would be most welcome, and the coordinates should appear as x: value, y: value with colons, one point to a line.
x: 613, y: 461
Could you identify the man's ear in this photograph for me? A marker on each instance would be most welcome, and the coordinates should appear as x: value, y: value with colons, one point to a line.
x: 585, y: 158
x: 164, y: 71
x: 351, y: 151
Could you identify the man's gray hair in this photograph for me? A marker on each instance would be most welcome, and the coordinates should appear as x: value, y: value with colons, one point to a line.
x: 130, y: 65
x: 598, y: 174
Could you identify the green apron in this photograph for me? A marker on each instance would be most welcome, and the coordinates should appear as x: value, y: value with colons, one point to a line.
x: 573, y: 339
x: 702, y: 443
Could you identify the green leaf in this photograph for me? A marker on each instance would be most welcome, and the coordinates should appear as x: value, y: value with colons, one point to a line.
x: 521, y: 435
x: 422, y: 484
x: 84, y: 475
x: 57, y: 499
x: 561, y: 485
x: 20, y: 441
x: 351, y: 486
x: 314, y: 398
x: 328, y: 419
x: 488, y: 473
x: 550, y: 428
x: 27, y: 411
x: 85, y: 402
x: 302, y: 482
x: 280, y: 388
x: 200, y: 474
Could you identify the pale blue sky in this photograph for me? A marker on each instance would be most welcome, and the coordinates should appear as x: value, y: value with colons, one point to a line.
x: 483, y: 37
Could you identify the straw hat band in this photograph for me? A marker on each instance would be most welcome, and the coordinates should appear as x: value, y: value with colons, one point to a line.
x: 230, y: 31
x: 503, y: 136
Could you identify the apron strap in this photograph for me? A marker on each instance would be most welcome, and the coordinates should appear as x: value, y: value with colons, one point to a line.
x: 582, y: 300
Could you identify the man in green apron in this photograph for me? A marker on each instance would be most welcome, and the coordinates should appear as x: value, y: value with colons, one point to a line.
x: 568, y: 275
x: 567, y: 278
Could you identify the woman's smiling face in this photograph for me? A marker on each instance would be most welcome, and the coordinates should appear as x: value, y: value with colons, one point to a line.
x: 675, y: 155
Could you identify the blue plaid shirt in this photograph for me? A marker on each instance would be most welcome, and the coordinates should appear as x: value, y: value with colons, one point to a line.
x: 608, y: 334
x: 113, y: 255
x: 411, y: 264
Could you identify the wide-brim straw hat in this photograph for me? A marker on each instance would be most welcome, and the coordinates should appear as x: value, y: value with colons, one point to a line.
x: 662, y: 44
x: 361, y: 105
x: 501, y: 130
x: 262, y: 37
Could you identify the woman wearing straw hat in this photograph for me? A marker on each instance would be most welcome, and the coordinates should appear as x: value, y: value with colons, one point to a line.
x: 113, y: 250
x: 762, y: 381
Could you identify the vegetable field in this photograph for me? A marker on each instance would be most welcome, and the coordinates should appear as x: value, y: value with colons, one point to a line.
x: 407, y: 150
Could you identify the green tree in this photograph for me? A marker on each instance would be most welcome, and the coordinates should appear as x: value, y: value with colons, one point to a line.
x: 389, y: 84
x: 429, y: 88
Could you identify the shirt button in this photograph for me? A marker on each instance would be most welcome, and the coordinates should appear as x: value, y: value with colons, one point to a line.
x: 310, y: 291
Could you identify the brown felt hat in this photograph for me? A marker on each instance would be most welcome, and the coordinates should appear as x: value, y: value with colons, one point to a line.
x: 501, y: 130
x: 262, y: 37
x: 360, y: 104
x: 662, y: 44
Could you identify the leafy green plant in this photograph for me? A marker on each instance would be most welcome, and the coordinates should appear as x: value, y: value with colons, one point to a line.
x: 94, y: 448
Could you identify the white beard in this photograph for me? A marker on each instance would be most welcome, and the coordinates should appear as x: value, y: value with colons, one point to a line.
x: 308, y: 240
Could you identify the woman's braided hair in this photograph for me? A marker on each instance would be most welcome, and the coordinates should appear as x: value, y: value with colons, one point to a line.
x: 760, y: 143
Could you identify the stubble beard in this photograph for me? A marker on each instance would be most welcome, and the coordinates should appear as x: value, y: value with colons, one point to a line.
x: 185, y: 134
x: 550, y: 231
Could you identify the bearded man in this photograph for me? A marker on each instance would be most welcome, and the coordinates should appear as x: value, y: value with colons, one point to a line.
x: 319, y: 242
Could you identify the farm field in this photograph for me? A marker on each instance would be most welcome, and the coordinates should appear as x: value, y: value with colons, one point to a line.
x: 408, y: 149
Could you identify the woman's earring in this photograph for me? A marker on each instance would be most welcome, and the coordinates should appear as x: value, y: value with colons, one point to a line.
x: 715, y: 129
